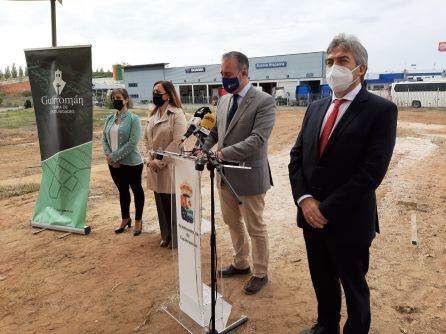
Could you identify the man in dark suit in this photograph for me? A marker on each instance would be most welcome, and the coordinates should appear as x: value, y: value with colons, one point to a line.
x: 339, y: 159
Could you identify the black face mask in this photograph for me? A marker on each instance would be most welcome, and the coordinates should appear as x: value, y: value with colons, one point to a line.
x: 118, y: 104
x: 158, y: 99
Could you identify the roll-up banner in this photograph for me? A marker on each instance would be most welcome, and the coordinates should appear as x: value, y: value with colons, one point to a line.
x: 61, y: 86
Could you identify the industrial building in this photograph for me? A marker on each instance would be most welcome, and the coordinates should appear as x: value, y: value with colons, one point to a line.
x: 277, y: 75
x: 383, y: 81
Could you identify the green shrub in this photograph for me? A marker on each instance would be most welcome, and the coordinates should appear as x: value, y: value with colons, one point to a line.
x: 28, y: 104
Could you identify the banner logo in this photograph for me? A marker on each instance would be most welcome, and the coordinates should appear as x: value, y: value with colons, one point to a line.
x: 59, y: 104
x: 58, y: 83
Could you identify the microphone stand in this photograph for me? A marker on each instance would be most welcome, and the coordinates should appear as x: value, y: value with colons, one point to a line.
x: 214, y: 164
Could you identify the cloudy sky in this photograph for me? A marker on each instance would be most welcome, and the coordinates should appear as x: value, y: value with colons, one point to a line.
x: 397, y: 33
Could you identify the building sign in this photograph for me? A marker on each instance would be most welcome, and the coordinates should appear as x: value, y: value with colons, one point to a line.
x: 442, y: 46
x: 272, y: 64
x: 195, y: 69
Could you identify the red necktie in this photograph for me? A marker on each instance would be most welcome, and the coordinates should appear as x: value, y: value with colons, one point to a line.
x: 329, y: 125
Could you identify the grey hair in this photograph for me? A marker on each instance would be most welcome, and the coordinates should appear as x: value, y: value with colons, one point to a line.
x: 242, y: 60
x: 350, y: 43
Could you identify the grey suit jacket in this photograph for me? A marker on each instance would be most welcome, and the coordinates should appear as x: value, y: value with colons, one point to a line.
x: 246, y: 140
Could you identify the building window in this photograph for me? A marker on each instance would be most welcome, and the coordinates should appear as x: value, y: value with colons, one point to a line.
x: 267, y: 76
x: 133, y: 84
x: 135, y: 96
x: 287, y: 75
x: 198, y: 80
x: 184, y: 80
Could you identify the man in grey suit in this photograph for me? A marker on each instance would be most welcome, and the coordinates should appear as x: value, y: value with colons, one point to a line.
x: 245, y: 119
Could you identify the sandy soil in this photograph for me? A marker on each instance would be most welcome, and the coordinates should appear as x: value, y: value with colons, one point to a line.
x: 107, y: 283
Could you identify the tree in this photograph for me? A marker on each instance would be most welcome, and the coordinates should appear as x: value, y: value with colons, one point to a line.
x: 26, y: 71
x: 14, y: 71
x: 1, y: 75
x: 1, y: 101
x: 7, y: 72
x: 20, y: 72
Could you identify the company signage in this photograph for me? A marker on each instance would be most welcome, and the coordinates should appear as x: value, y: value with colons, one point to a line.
x: 442, y: 46
x: 272, y: 64
x: 195, y: 69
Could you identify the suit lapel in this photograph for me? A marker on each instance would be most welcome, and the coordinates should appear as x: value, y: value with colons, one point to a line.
x: 223, y: 114
x: 350, y: 114
x: 319, y: 118
x: 241, y: 109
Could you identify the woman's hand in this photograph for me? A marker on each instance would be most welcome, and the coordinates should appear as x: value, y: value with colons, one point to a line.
x: 116, y: 165
x: 109, y: 159
x: 153, y: 166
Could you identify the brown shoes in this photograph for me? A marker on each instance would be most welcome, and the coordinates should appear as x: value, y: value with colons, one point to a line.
x: 232, y: 271
x: 255, y: 284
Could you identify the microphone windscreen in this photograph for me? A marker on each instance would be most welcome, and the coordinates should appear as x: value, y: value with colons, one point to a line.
x: 202, y: 111
x: 209, y: 121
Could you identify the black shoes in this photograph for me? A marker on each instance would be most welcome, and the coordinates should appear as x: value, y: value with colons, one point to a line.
x: 164, y: 243
x: 128, y: 225
x: 232, y: 271
x: 255, y: 284
x: 122, y: 228
x: 137, y: 232
x: 321, y: 329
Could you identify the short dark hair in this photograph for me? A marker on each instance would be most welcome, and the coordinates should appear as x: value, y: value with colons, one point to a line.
x: 242, y: 60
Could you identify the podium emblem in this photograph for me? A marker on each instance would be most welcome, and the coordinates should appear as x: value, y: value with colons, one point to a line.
x: 187, y: 212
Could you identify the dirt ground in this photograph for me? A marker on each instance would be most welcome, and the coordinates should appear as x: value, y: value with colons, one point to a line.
x: 108, y: 283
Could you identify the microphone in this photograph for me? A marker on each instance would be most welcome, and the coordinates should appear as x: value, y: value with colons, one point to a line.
x: 194, y: 122
x: 206, y: 125
x: 193, y: 126
x: 200, y: 112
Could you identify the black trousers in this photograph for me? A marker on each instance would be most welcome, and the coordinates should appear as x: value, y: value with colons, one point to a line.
x: 124, y: 177
x: 167, y: 217
x: 331, y: 264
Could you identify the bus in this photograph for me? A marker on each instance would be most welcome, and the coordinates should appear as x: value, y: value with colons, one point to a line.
x: 417, y: 94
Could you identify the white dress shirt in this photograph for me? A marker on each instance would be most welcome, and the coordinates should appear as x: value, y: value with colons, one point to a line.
x: 349, y: 97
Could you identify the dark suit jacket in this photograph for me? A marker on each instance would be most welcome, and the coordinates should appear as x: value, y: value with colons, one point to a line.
x: 354, y: 162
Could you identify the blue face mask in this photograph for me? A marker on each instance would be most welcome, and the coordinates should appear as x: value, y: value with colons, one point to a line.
x: 230, y: 84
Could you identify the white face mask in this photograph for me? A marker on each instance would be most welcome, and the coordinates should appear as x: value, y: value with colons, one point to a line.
x: 339, y: 78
